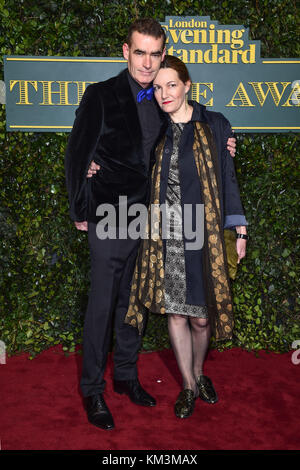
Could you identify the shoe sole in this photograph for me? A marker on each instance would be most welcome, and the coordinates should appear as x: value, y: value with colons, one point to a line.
x: 183, y: 417
x: 135, y: 402
x: 101, y: 427
x: 207, y: 401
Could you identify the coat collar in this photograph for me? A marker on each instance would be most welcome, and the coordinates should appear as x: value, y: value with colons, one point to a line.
x: 198, y: 114
x: 128, y: 108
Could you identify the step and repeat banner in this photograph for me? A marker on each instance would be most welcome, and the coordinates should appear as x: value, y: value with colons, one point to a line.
x: 229, y: 76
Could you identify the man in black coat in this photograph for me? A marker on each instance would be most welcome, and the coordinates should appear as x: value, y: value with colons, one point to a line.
x: 117, y: 125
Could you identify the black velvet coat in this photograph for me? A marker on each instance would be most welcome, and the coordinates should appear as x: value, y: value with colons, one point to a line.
x: 106, y: 130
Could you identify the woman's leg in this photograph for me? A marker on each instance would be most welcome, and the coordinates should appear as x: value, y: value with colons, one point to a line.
x: 200, y: 332
x: 181, y: 340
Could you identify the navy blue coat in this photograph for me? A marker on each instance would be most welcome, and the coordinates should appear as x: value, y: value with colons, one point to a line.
x: 232, y: 212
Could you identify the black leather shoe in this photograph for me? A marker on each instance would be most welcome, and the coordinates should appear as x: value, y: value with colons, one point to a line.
x: 185, y: 403
x: 206, y: 389
x: 136, y: 393
x: 98, y: 412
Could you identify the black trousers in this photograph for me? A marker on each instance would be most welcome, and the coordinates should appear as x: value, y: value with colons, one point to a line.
x: 112, y: 267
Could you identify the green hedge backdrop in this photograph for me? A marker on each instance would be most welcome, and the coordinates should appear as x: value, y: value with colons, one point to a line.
x: 45, y: 261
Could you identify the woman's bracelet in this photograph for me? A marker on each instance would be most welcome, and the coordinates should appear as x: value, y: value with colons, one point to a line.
x: 242, y: 235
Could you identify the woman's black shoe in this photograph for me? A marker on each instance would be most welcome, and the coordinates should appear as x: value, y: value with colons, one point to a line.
x: 185, y: 403
x: 206, y: 389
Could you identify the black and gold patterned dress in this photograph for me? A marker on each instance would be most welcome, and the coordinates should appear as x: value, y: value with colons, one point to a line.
x: 175, y: 275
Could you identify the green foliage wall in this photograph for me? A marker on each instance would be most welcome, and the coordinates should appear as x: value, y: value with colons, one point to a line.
x: 45, y: 261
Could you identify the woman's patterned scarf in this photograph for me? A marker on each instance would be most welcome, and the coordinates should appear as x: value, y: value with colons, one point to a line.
x: 147, y: 290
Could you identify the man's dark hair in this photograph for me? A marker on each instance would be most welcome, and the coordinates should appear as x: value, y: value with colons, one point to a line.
x: 147, y: 26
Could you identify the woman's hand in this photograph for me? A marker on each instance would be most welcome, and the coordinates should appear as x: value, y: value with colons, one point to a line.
x: 231, y: 146
x: 93, y: 168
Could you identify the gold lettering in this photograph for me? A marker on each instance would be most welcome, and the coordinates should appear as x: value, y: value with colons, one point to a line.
x: 212, y: 38
x: 166, y: 27
x: 236, y: 41
x: 241, y: 96
x: 81, y: 87
x: 187, y: 24
x: 183, y: 56
x: 294, y: 96
x: 175, y: 36
x: 272, y: 87
x: 200, y: 24
x: 197, y: 39
x: 226, y: 56
x: 48, y: 93
x: 223, y: 36
x: 196, y: 93
x: 211, y: 55
x: 214, y: 55
x: 193, y: 59
x: 234, y: 56
x: 184, y: 34
x: 171, y: 50
x: 248, y: 55
x: 23, y: 89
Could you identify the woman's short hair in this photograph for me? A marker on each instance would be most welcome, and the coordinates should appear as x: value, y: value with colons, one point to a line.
x: 172, y: 62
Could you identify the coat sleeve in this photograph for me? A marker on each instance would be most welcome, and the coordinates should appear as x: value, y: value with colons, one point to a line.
x: 80, y: 150
x: 233, y: 208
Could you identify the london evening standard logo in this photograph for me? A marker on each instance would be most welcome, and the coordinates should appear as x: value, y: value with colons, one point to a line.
x: 206, y: 42
x: 202, y: 41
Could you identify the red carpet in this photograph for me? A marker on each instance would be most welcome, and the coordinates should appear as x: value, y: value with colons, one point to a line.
x: 258, y: 408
